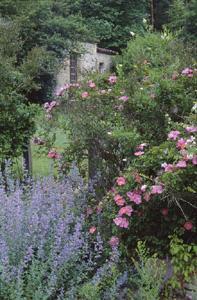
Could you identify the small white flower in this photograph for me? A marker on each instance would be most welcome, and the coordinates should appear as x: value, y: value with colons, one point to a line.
x: 144, y: 21
x: 109, y: 133
x: 132, y: 33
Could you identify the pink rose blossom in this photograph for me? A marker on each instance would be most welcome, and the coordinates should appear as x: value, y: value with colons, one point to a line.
x: 135, y: 197
x: 187, y: 72
x: 147, y: 196
x: 172, y: 135
x: 114, y: 241
x: 164, y: 211
x: 191, y: 129
x: 46, y: 105
x: 92, y: 229
x: 139, y: 153
x: 181, y: 164
x: 89, y: 211
x: 181, y: 144
x: 124, y: 98
x: 141, y: 146
x: 120, y: 181
x: 103, y: 92
x: 112, y: 190
x: 53, y: 103
x: 137, y: 178
x: 143, y: 188
x: 168, y: 167
x: 91, y: 84
x: 119, y: 200
x: 194, y: 160
x: 112, y: 79
x: 53, y: 154
x: 157, y: 189
x: 126, y: 210
x: 121, y: 222
x: 84, y: 94
x: 188, y: 225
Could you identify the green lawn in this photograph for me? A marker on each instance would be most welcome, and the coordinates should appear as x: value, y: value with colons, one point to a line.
x: 41, y: 164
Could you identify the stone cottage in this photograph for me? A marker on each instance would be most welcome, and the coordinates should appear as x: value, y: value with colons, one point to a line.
x: 77, y: 66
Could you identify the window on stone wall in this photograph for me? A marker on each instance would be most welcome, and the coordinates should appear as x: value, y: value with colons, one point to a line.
x: 101, y: 67
x: 73, y: 68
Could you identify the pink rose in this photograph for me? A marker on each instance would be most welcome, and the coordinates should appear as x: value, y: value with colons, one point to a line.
x: 120, y: 181
x: 91, y: 84
x: 181, y: 164
x: 53, y: 154
x: 124, y: 98
x: 172, y: 135
x: 187, y: 72
x: 103, y: 92
x: 143, y: 188
x: 188, y: 225
x: 181, y: 144
x: 121, y: 222
x: 84, y: 95
x: 89, y: 211
x: 138, y: 153
x: 126, y: 210
x: 135, y: 197
x: 141, y: 146
x: 194, y: 160
x: 92, y: 229
x: 164, y: 211
x: 147, y: 196
x: 112, y: 79
x: 46, y: 105
x: 168, y: 167
x: 191, y: 129
x: 157, y: 189
x: 119, y: 200
x: 114, y: 241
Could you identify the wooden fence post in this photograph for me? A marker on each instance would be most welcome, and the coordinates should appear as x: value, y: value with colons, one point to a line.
x: 27, y: 158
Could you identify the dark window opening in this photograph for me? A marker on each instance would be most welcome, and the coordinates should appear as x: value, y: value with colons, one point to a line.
x: 73, y: 68
x: 101, y: 67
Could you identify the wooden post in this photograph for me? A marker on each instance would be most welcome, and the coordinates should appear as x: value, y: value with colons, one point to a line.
x: 152, y: 13
x: 27, y: 159
x: 94, y: 167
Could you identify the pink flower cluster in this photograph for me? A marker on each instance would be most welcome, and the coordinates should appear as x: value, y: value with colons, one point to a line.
x: 112, y: 79
x: 60, y: 91
x: 187, y: 72
x: 53, y: 154
x: 124, y: 98
x: 140, y: 149
x: 91, y: 84
x: 49, y: 106
x: 121, y: 181
x: 144, y: 192
x: 114, y: 241
x: 84, y: 95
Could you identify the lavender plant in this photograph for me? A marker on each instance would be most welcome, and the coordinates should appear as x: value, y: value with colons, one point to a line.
x: 41, y: 233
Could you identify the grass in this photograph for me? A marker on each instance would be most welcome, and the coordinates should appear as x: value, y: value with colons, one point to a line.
x: 41, y: 164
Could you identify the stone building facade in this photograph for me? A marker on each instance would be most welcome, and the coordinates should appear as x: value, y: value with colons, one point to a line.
x: 93, y: 59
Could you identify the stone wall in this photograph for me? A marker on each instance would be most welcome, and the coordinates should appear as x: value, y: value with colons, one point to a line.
x: 91, y: 60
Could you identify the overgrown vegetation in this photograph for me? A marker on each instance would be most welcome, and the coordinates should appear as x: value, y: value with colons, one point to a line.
x: 117, y: 217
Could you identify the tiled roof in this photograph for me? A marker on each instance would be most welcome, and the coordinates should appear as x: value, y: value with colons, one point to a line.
x: 106, y: 51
